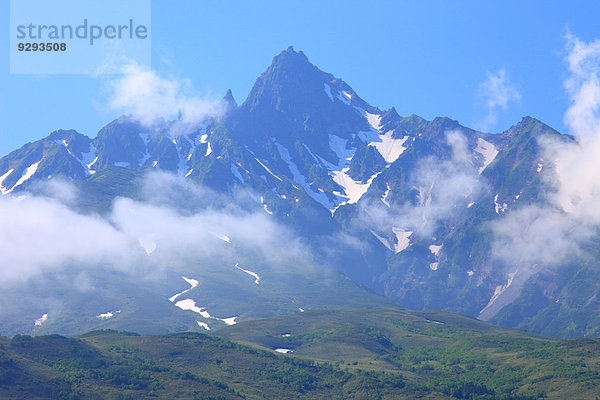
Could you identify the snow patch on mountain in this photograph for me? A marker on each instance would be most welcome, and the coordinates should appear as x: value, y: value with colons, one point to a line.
x: 254, y: 274
x: 190, y: 305
x: 204, y: 139
x: 435, y: 249
x: 228, y: 321
x: 63, y: 142
x: 204, y: 325
x: 383, y: 240
x: 385, y: 196
x: 488, y: 151
x: 500, y: 208
x: 89, y: 166
x: 353, y: 190
x: 402, y: 239
x: 2, y: 178
x: 28, y: 173
x: 268, y: 170
x: 88, y: 159
x: 345, y: 97
x: 192, y: 282
x: 386, y: 144
x: 389, y: 147
x: 319, y: 197
x: 374, y: 120
x: 265, y: 207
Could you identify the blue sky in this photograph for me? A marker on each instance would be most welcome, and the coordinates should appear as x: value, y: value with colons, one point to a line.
x: 431, y: 58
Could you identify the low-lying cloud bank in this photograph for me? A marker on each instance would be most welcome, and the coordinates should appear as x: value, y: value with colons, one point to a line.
x: 41, y: 234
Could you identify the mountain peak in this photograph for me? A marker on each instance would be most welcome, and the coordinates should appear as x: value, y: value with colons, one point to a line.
x: 290, y: 59
x: 229, y: 99
x: 293, y: 53
x: 290, y: 75
x: 293, y: 82
x: 295, y: 96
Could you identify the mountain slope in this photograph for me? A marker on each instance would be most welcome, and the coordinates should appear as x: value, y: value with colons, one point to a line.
x: 401, y: 205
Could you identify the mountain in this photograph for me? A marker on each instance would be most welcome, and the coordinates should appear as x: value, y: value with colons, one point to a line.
x: 399, y: 205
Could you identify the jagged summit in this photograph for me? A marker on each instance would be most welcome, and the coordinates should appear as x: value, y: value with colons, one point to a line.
x: 229, y: 99
x: 294, y: 99
x: 532, y: 127
x: 290, y: 75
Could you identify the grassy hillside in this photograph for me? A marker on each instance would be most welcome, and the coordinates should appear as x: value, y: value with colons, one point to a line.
x: 436, y: 352
x: 385, y: 353
x: 111, y: 365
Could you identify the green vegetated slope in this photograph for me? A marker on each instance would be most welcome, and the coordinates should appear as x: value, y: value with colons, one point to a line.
x: 436, y: 352
x: 111, y: 365
x: 386, y: 353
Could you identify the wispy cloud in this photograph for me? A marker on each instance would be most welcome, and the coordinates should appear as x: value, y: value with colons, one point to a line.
x: 583, y: 60
x: 441, y: 184
x: 549, y: 234
x: 496, y: 93
x: 41, y: 234
x: 152, y: 99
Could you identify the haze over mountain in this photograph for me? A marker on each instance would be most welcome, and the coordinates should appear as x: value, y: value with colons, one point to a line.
x: 303, y: 196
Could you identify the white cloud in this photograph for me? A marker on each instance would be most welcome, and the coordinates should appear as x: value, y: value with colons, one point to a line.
x: 152, y: 99
x: 550, y: 234
x: 442, y: 184
x: 497, y: 92
x: 583, y: 60
x: 39, y: 235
